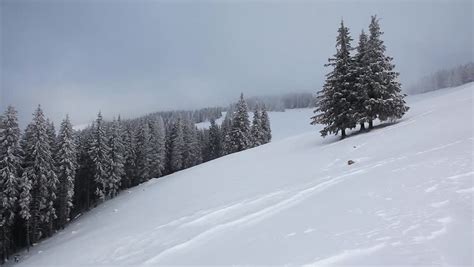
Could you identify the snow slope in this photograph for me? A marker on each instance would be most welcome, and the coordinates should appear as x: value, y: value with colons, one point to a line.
x: 407, y: 200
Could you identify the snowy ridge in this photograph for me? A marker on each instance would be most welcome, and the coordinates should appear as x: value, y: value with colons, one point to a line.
x: 407, y: 200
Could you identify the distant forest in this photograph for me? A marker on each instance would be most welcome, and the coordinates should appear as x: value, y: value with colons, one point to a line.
x: 444, y: 78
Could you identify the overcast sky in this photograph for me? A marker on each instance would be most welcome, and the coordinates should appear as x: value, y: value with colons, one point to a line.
x: 134, y: 57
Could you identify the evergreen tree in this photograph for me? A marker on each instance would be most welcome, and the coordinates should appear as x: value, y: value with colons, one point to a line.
x: 100, y: 156
x: 157, y: 147
x: 256, y: 131
x: 142, y: 151
x: 267, y: 131
x: 38, y: 170
x: 240, y: 131
x: 66, y: 166
x: 176, y: 147
x: 336, y: 99
x: 129, y: 157
x: 52, y: 179
x: 10, y: 167
x: 203, y: 140
x: 226, y: 127
x: 116, y: 167
x: 215, y: 141
x: 362, y: 83
x: 385, y: 100
x: 84, y: 182
x: 24, y: 203
x: 192, y: 151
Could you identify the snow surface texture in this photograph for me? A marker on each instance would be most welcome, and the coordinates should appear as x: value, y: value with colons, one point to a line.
x: 407, y: 200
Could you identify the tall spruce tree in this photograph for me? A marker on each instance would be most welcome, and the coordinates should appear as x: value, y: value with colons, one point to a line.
x: 256, y: 132
x: 336, y: 99
x: 226, y: 127
x: 129, y: 156
x: 362, y: 83
x: 265, y: 121
x: 52, y: 180
x: 240, y: 131
x: 157, y: 147
x: 192, y: 151
x: 84, y: 182
x: 385, y: 100
x: 66, y: 159
x: 142, y: 152
x: 38, y: 170
x: 176, y: 147
x: 116, y: 167
x: 215, y: 141
x: 10, y: 168
x: 100, y: 155
x: 24, y: 203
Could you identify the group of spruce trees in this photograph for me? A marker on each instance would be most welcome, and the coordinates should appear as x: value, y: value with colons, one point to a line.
x: 361, y: 87
x: 49, y: 177
x: 37, y: 172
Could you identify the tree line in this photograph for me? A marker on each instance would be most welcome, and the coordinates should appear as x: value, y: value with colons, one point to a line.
x: 453, y: 77
x: 282, y: 102
x: 48, y: 177
x: 361, y: 87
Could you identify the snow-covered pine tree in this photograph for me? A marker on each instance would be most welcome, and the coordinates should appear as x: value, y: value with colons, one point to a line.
x: 157, y: 146
x: 267, y: 130
x: 66, y: 166
x: 99, y: 152
x: 10, y: 168
x: 142, y: 151
x: 24, y: 203
x: 226, y: 126
x: 129, y: 156
x: 256, y: 131
x: 52, y: 180
x: 385, y: 98
x: 336, y: 99
x: 192, y: 151
x: 176, y: 147
x: 362, y: 83
x: 37, y: 169
x: 84, y: 183
x: 240, y: 131
x: 116, y: 167
x: 215, y: 141
x: 203, y: 139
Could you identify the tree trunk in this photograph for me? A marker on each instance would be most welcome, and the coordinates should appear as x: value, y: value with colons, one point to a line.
x: 371, y: 124
x: 362, y: 126
x: 28, y: 236
x: 343, y: 133
x: 4, y: 245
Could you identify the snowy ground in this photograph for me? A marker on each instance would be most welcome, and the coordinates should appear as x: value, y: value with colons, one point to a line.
x: 407, y: 200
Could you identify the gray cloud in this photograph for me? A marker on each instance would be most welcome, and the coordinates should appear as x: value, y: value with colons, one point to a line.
x: 131, y: 58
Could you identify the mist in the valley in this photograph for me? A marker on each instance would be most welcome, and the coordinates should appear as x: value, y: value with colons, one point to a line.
x: 131, y: 58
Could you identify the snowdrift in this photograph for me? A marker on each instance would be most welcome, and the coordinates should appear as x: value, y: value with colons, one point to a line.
x: 407, y: 200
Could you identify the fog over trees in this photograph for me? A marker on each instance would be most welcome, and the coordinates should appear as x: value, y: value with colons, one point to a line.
x: 443, y: 78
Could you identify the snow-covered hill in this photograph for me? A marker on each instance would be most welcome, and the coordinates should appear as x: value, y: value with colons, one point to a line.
x: 407, y: 200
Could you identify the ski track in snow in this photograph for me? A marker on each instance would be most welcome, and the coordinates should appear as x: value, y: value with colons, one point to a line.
x: 457, y: 176
x: 259, y: 215
x: 439, y: 147
x: 253, y: 210
x: 345, y: 255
